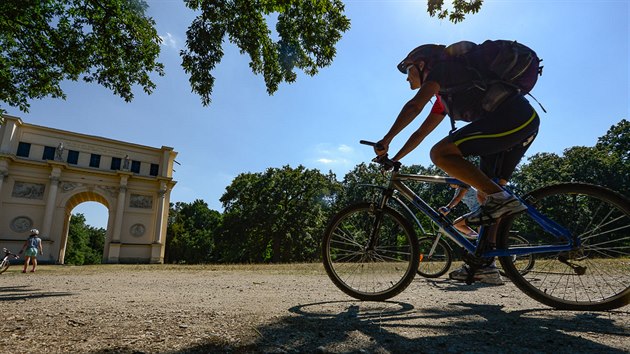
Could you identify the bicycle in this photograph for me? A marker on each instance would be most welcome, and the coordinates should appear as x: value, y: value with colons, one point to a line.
x: 6, y: 263
x: 370, y: 249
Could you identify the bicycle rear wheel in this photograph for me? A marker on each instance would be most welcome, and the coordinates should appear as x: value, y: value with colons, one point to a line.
x: 370, y: 273
x: 435, y: 257
x: 595, y: 276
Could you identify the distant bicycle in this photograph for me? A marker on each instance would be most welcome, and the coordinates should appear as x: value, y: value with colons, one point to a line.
x: 437, y: 256
x: 6, y: 261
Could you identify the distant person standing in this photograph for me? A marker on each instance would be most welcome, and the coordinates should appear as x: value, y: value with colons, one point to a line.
x: 32, y: 245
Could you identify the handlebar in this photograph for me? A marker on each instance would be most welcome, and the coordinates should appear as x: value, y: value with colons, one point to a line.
x: 9, y: 253
x: 382, y: 160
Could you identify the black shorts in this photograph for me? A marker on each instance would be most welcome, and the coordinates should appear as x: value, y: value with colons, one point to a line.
x: 501, y: 138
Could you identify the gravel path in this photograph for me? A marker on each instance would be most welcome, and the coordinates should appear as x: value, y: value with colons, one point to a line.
x: 280, y: 309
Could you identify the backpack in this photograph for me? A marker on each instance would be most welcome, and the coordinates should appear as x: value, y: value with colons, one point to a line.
x: 502, y: 67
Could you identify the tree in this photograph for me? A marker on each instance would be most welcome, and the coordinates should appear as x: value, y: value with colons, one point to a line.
x: 275, y: 216
x: 617, y: 140
x: 85, y: 243
x: 615, y: 147
x: 110, y: 42
x: 191, y: 232
x: 307, y: 33
x: 606, y: 164
x: 113, y: 43
x: 457, y: 13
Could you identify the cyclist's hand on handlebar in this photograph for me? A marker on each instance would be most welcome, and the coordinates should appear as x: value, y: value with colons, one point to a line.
x: 384, y: 161
x: 381, y: 148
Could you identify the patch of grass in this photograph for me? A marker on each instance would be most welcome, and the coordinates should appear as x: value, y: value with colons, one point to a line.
x: 293, y: 268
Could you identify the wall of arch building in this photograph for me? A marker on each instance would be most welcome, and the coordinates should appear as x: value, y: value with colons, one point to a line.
x: 45, y: 173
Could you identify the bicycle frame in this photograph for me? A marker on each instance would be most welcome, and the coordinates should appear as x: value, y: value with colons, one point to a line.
x: 396, y: 183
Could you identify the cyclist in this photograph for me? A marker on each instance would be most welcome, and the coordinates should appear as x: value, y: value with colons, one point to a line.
x: 502, y: 135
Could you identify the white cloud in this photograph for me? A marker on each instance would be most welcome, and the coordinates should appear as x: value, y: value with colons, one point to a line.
x: 339, y: 158
x: 169, y: 41
x: 345, y: 149
x: 325, y: 161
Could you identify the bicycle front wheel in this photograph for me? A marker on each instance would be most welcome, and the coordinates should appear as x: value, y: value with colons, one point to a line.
x: 595, y: 275
x: 4, y: 265
x: 435, y: 257
x: 365, y: 268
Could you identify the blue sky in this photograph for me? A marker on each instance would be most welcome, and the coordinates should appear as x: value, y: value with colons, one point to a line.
x: 318, y: 121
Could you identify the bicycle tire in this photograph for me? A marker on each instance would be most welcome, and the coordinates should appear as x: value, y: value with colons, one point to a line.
x: 4, y: 265
x: 523, y: 263
x: 436, y: 264
x: 364, y: 274
x: 594, y: 276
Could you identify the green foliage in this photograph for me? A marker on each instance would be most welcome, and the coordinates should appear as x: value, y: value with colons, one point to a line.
x: 275, y: 216
x: 307, y: 32
x: 279, y: 215
x: 110, y: 42
x: 85, y: 243
x: 457, y: 13
x: 190, y: 232
x: 113, y: 43
x: 606, y: 164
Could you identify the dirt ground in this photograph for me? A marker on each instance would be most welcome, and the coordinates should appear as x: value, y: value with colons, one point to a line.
x: 280, y: 309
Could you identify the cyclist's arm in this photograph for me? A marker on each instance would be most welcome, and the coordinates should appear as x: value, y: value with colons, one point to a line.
x: 409, y: 112
x: 457, y: 198
x: 429, y: 124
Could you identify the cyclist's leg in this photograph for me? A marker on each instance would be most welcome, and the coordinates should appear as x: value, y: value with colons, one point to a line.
x: 500, y: 166
x: 499, y: 131
x: 511, y: 130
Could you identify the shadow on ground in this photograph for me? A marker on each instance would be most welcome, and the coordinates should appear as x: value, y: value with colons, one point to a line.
x: 395, y: 327
x: 17, y: 293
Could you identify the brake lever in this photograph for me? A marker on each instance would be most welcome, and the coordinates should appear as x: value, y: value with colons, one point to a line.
x: 384, y: 161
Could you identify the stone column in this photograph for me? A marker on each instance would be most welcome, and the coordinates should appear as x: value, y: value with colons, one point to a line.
x: 160, y: 213
x: 4, y: 171
x: 120, y: 209
x: 157, y: 248
x: 50, y: 203
x: 3, y: 174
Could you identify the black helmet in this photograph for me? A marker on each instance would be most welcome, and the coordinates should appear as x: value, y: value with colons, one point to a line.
x: 427, y: 53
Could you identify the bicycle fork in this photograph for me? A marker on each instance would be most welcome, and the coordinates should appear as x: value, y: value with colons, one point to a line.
x: 378, y: 218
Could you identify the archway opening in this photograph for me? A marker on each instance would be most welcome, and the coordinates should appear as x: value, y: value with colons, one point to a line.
x: 87, y: 216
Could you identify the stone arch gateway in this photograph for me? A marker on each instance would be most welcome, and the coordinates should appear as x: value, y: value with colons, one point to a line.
x: 46, y: 172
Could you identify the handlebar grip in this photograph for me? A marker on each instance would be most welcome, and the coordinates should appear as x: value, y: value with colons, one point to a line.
x: 378, y: 146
